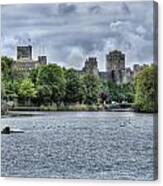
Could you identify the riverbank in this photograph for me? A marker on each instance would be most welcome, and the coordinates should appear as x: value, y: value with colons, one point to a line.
x: 76, y: 107
x: 21, y: 111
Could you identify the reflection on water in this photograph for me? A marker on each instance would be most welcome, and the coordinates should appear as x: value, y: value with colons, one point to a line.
x: 94, y: 145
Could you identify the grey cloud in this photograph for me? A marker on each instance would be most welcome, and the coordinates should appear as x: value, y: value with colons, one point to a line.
x: 71, y: 31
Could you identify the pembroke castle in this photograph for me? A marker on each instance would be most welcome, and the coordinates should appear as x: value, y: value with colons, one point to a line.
x: 116, y: 70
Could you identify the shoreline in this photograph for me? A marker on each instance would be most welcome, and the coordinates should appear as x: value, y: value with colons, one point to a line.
x: 20, y: 111
x: 80, y: 108
x: 33, y: 113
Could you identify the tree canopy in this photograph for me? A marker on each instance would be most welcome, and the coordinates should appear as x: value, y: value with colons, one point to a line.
x: 91, y: 88
x: 73, y: 91
x: 6, y: 68
x: 27, y: 89
x: 48, y: 84
x: 146, y: 90
x: 52, y: 76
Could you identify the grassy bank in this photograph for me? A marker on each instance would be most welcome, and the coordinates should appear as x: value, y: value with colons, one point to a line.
x: 53, y: 108
x: 75, y: 107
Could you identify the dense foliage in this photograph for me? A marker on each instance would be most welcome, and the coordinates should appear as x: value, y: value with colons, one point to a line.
x: 27, y: 90
x: 6, y: 67
x: 73, y: 92
x: 9, y: 84
x: 51, y: 85
x: 91, y: 89
x: 51, y: 79
x: 146, y: 90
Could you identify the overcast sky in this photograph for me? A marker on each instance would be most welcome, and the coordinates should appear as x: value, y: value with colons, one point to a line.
x: 68, y: 33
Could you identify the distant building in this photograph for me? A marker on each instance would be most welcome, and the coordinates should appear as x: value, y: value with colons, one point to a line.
x: 116, y: 70
x: 42, y: 60
x: 115, y: 66
x: 91, y: 66
x: 24, y: 52
x: 115, y: 60
x: 129, y: 75
x: 24, y: 63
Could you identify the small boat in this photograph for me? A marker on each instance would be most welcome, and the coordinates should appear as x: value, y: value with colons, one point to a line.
x: 7, y: 130
x: 17, y: 131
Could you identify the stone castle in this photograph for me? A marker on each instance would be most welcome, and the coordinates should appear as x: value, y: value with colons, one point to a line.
x: 116, y: 70
x: 24, y: 63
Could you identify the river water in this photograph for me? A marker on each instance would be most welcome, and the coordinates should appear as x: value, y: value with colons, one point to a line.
x: 89, y: 145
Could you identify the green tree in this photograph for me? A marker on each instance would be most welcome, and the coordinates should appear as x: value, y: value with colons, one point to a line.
x: 128, y: 91
x: 52, y: 76
x: 3, y: 91
x: 114, y: 92
x: 146, y: 90
x: 44, y: 94
x: 33, y: 75
x: 11, y: 88
x: 73, y: 91
x: 119, y: 93
x: 10, y: 85
x: 104, y: 93
x: 6, y: 68
x: 27, y: 90
x: 91, y: 89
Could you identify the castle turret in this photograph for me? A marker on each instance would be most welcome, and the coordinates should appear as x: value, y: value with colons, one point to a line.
x: 91, y: 66
x: 115, y: 65
x: 24, y: 63
x: 115, y: 60
x: 24, y: 52
x: 42, y: 60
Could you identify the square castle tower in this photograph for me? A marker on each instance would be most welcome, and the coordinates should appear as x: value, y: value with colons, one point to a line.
x: 115, y: 66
